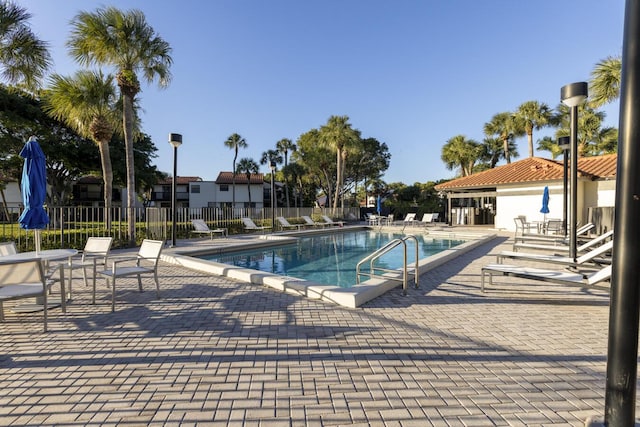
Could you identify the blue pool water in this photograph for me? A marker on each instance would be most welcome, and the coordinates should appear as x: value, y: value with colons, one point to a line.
x: 331, y: 259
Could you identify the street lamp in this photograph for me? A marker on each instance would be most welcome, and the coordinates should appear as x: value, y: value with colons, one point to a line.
x: 272, y: 164
x: 175, y: 139
x: 573, y: 95
x: 564, y: 142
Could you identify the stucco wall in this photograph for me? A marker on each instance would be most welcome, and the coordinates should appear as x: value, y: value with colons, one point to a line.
x: 516, y: 200
x: 527, y: 200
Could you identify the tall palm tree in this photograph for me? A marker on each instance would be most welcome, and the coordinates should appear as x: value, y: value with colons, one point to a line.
x: 87, y: 102
x: 461, y: 152
x: 235, y: 142
x: 338, y: 134
x: 267, y: 158
x: 503, y: 126
x: 126, y: 42
x: 23, y: 57
x: 605, y: 81
x: 532, y: 115
x: 284, y: 146
x: 248, y: 167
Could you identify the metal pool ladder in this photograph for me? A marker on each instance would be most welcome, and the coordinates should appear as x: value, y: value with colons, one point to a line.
x: 372, y: 258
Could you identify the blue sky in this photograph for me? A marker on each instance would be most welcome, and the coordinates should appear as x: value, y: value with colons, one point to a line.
x: 410, y: 73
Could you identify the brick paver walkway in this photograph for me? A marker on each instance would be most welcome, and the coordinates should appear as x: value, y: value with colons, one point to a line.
x: 214, y: 351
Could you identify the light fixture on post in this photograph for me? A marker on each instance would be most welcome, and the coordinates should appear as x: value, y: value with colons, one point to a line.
x: 272, y: 164
x: 573, y: 95
x: 564, y: 142
x: 175, y: 139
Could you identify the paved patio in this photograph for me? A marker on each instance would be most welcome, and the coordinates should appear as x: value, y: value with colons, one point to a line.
x: 214, y: 351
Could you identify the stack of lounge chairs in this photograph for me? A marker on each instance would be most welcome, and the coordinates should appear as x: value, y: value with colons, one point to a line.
x: 591, y: 269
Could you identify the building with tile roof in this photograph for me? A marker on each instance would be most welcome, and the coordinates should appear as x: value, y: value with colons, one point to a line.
x: 497, y: 195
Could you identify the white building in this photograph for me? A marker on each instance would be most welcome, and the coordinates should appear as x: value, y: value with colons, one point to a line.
x: 496, y: 196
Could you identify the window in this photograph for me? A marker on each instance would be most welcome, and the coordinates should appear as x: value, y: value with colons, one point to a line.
x: 195, y: 189
x: 224, y: 187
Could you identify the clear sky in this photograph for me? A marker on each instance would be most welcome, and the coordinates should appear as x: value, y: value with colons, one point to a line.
x: 410, y: 73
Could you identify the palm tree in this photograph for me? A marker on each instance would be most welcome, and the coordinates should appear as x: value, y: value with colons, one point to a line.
x: 503, y: 126
x: 248, y: 167
x: 235, y: 142
x: 87, y: 103
x: 461, y: 152
x: 338, y: 134
x: 125, y: 41
x: 284, y: 146
x: 532, y: 115
x: 23, y: 57
x: 605, y: 81
x: 268, y: 157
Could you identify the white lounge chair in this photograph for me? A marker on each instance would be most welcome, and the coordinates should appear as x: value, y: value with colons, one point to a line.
x: 332, y: 222
x: 146, y: 262
x: 589, y: 256
x: 201, y: 227
x: 23, y: 279
x: 284, y: 224
x: 94, y: 254
x: 554, y: 276
x: 551, y: 238
x: 427, y: 219
x: 307, y: 219
x: 250, y: 225
x: 564, y: 248
x: 409, y: 219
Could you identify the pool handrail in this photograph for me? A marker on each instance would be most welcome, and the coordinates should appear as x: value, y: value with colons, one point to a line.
x: 373, y: 257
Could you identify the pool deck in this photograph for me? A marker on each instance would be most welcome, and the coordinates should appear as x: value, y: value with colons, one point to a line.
x: 218, y: 351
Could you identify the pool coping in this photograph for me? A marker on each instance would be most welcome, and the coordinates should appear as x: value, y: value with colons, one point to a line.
x: 351, y: 297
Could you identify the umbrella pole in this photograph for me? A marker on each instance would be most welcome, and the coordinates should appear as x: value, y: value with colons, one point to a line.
x: 37, y: 241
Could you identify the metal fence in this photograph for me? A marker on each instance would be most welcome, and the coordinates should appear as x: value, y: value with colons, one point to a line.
x: 69, y: 227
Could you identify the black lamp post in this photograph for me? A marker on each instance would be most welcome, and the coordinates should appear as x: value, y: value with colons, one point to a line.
x: 175, y: 139
x: 573, y: 95
x: 272, y: 164
x: 622, y: 353
x: 564, y: 143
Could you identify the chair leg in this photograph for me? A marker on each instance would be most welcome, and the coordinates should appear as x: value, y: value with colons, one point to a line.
x: 113, y: 293
x: 1, y: 312
x: 155, y: 277
x: 93, y: 299
x: 140, y: 282
x: 45, y: 303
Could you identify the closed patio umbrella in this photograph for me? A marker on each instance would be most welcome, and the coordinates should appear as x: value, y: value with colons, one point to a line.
x: 545, y: 201
x: 379, y: 205
x: 34, y: 189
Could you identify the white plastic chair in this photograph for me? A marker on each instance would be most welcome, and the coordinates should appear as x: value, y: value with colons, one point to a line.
x: 94, y: 254
x: 23, y: 279
x: 146, y: 262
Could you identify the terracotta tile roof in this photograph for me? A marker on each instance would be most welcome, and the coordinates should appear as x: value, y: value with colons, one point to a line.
x: 534, y: 169
x: 227, y: 178
x: 182, y: 180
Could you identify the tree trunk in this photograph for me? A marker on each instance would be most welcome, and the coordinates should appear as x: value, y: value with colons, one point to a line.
x: 505, y: 147
x: 530, y: 139
x: 338, y: 180
x: 107, y: 177
x: 128, y: 119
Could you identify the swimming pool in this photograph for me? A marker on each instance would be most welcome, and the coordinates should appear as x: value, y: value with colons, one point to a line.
x: 331, y: 259
x: 354, y: 296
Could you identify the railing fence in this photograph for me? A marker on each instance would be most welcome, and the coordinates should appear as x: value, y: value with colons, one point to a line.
x: 69, y: 227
